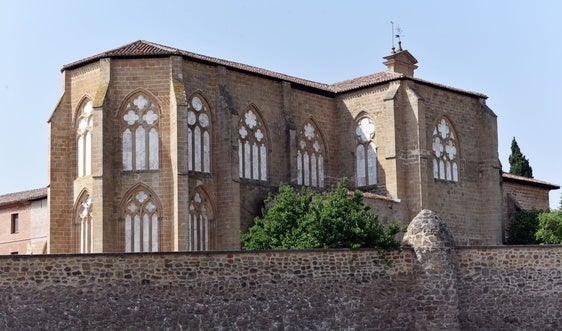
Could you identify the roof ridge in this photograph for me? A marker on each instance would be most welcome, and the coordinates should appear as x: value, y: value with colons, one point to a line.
x: 448, y: 87
x: 364, y: 76
x: 143, y: 48
x: 163, y: 47
x: 28, y: 195
x: 365, y: 81
x: 529, y: 180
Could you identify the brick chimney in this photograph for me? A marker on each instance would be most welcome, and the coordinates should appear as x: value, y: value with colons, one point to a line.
x: 401, y: 62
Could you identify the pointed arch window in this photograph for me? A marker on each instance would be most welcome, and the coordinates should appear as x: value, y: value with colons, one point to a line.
x: 310, y: 156
x: 142, y: 222
x: 252, y: 146
x: 84, y: 125
x: 83, y: 224
x: 445, y: 152
x: 365, y: 153
x: 198, y: 135
x: 140, y: 138
x: 200, y: 223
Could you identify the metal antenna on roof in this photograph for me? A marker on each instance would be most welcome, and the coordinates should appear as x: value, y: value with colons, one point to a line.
x: 398, y: 34
x: 392, y: 35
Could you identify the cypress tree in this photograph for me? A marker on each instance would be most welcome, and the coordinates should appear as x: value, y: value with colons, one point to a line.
x: 518, y: 163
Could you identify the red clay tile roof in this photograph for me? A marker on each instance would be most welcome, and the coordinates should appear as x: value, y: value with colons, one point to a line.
x: 446, y: 87
x: 142, y: 49
x: 360, y: 82
x: 23, y: 196
x: 138, y: 49
x: 529, y: 181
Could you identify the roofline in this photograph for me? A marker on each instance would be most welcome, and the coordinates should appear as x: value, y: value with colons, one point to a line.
x: 511, y: 178
x: 328, y: 90
x: 417, y: 80
x: 446, y: 87
x: 24, y: 196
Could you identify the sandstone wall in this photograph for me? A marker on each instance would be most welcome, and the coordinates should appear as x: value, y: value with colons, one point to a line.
x: 528, y: 197
x: 471, y: 206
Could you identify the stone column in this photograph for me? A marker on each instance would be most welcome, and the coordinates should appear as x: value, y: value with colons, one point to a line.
x: 437, y: 300
x: 178, y: 155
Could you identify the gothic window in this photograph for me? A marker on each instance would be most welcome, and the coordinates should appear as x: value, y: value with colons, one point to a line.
x: 365, y: 152
x: 84, y: 125
x: 252, y: 146
x: 140, y: 134
x: 445, y: 153
x: 142, y: 222
x: 198, y: 135
x: 200, y: 222
x: 310, y: 156
x: 83, y: 223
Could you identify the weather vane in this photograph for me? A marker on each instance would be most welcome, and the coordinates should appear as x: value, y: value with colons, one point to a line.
x: 396, y: 33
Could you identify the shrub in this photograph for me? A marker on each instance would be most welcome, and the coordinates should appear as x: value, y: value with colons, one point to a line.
x: 333, y: 219
x: 523, y: 228
x: 549, y: 230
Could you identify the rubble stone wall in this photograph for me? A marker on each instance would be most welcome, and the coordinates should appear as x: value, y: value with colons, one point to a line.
x: 510, y: 287
x: 315, y: 290
x: 498, y: 288
x: 429, y: 285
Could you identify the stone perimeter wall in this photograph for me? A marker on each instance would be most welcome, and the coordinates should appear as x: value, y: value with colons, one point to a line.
x: 498, y: 288
x: 277, y: 290
x: 510, y: 287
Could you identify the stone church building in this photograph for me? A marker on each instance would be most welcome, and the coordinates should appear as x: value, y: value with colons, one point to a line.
x: 153, y: 148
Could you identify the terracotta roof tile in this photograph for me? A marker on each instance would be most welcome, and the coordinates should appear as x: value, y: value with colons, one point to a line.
x: 450, y: 88
x: 23, y: 196
x: 360, y: 82
x: 529, y: 181
x: 142, y: 48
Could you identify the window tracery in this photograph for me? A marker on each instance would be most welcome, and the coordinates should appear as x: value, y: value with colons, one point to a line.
x: 83, y: 223
x: 310, y: 156
x: 140, y: 134
x: 142, y: 222
x: 365, y: 153
x: 200, y: 222
x: 252, y: 146
x: 84, y: 126
x: 445, y: 153
x: 198, y: 135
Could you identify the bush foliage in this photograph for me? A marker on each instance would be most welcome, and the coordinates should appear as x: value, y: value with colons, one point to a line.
x: 531, y: 227
x: 549, y: 230
x: 523, y: 228
x: 335, y: 219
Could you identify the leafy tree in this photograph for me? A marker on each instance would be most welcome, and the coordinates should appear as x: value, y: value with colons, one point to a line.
x: 549, y: 229
x: 285, y: 222
x: 523, y: 228
x: 518, y: 163
x: 333, y: 219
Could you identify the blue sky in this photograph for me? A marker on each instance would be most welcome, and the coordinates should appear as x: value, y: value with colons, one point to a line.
x: 508, y: 50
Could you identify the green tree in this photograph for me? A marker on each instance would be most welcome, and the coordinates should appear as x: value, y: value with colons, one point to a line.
x: 333, y: 219
x: 518, y: 163
x: 523, y: 228
x: 549, y: 229
x: 286, y: 223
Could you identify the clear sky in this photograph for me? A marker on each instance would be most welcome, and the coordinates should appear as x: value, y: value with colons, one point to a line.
x: 508, y: 50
